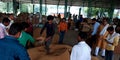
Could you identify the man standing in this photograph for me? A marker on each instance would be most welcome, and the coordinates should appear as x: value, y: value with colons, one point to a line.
x: 3, y: 31
x: 10, y: 49
x: 112, y: 41
x: 62, y: 30
x: 94, y: 33
x: 102, y: 33
x: 50, y: 30
x: 81, y: 51
x: 11, y: 18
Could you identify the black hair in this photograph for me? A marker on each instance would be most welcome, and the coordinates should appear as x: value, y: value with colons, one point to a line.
x: 110, y: 28
x: 50, y: 17
x: 24, y: 25
x: 64, y: 19
x: 10, y: 15
x: 5, y: 20
x: 117, y: 29
x: 94, y: 19
x: 83, y: 35
x: 15, y: 28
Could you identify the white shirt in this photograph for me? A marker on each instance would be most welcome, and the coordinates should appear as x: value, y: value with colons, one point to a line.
x: 81, y: 51
x: 11, y: 22
x: 3, y: 31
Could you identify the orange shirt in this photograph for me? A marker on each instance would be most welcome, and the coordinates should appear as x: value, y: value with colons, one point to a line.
x: 62, y: 26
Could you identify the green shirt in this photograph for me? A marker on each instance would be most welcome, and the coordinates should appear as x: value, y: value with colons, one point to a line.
x: 25, y: 37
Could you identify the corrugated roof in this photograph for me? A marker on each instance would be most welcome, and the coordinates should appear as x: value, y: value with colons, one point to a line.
x: 93, y: 3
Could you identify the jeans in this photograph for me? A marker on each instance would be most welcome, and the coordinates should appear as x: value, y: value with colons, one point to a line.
x: 108, y: 55
x: 62, y: 33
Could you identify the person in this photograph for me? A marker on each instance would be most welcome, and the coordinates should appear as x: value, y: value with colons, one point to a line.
x: 30, y: 28
x: 25, y: 37
x: 81, y: 51
x: 3, y: 31
x: 93, y: 36
x: 69, y: 23
x: 62, y: 29
x: 50, y: 30
x: 11, y: 18
x: 102, y: 33
x: 10, y: 49
x: 112, y: 41
x: 79, y: 22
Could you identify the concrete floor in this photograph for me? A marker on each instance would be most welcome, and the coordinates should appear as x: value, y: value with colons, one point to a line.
x: 70, y: 40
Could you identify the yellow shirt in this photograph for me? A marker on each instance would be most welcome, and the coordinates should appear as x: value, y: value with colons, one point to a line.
x: 115, y: 43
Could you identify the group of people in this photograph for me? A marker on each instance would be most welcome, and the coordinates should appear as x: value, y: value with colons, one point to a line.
x: 13, y: 40
x: 104, y: 37
x: 14, y: 37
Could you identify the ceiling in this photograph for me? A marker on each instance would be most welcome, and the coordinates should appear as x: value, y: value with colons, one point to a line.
x: 92, y: 3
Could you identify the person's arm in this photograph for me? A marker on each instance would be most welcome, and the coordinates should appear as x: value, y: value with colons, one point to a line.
x: 32, y: 40
x: 116, y: 39
x: 66, y: 27
x: 43, y: 28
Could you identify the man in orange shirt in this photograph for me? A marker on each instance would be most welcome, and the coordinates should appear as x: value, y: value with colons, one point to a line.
x: 62, y: 29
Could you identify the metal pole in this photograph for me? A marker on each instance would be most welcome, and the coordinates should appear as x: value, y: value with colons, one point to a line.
x: 40, y: 1
x: 79, y: 11
x: 8, y: 7
x: 14, y: 8
x: 65, y: 9
x: 111, y: 10
x: 45, y: 7
x: 58, y: 5
x: 33, y: 5
x: 89, y: 9
x: 20, y: 6
x: 71, y: 2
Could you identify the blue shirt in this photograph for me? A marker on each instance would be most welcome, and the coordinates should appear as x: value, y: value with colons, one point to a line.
x: 10, y: 49
x: 95, y: 28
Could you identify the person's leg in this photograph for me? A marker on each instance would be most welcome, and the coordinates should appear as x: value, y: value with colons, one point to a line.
x: 108, y: 55
x: 47, y: 45
x: 103, y: 47
x: 98, y: 47
x: 62, y: 33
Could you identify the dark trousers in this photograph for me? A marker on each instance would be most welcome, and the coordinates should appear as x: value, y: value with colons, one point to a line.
x: 108, y: 55
x: 47, y: 44
x: 92, y: 41
x: 77, y: 24
x: 62, y: 33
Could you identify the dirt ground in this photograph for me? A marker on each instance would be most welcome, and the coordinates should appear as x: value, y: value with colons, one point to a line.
x: 62, y: 52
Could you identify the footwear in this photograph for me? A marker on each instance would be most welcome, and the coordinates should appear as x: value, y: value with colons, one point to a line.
x: 94, y: 55
x: 103, y: 56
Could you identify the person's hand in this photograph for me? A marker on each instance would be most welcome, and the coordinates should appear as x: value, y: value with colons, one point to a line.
x: 109, y: 42
x: 40, y: 38
x: 48, y: 38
